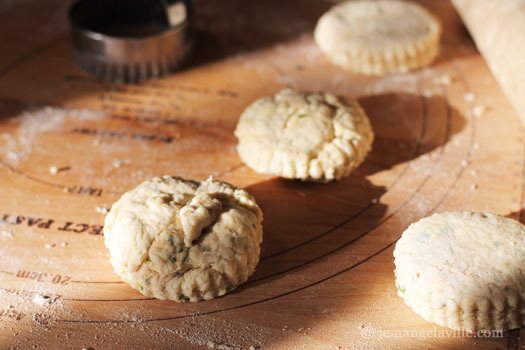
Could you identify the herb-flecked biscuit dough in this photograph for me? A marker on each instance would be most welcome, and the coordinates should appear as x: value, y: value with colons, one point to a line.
x: 183, y: 240
x: 300, y: 135
x: 464, y: 270
x: 379, y: 37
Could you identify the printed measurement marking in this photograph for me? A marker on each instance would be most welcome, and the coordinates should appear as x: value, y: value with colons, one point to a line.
x: 148, y: 88
x: 123, y: 134
x: 85, y: 190
x: 42, y: 318
x: 155, y: 120
x: 12, y: 313
x: 25, y: 294
x: 68, y: 226
x: 43, y: 277
x: 30, y: 221
x: 80, y: 228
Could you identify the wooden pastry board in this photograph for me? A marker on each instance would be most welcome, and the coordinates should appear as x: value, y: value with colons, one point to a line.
x: 325, y: 280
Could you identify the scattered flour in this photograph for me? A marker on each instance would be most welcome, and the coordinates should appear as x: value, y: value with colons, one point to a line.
x: 444, y: 79
x: 478, y: 110
x: 42, y: 300
x: 34, y: 122
x: 118, y: 163
x: 220, y: 334
x: 469, y: 97
x: 101, y: 210
x: 7, y: 233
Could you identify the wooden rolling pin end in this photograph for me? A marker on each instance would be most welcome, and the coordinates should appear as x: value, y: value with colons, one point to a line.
x: 498, y: 29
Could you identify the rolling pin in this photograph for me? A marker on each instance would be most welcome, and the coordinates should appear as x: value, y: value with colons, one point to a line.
x: 498, y: 29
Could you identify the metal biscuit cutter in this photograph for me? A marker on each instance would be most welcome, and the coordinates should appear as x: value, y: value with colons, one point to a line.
x: 130, y: 40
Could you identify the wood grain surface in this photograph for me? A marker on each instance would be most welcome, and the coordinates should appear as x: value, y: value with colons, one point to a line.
x: 446, y: 139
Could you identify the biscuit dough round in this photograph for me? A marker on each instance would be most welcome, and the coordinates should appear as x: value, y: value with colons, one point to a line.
x: 183, y: 240
x: 464, y: 270
x: 379, y: 37
x: 307, y: 136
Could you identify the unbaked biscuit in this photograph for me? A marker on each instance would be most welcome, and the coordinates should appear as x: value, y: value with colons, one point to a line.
x: 307, y: 136
x: 464, y: 270
x: 379, y: 37
x: 183, y: 240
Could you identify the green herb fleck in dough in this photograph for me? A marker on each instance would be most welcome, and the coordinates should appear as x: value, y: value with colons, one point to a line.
x: 447, y: 230
x: 287, y: 153
x: 423, y: 237
x: 402, y: 289
x: 156, y: 255
x: 231, y: 287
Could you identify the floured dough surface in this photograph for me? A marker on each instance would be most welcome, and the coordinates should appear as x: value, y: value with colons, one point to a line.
x: 307, y: 136
x: 378, y: 37
x: 464, y: 270
x: 183, y: 240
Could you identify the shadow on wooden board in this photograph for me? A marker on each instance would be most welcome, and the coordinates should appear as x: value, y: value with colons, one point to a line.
x: 304, y: 220
x: 235, y: 27
x: 231, y: 27
x: 517, y: 215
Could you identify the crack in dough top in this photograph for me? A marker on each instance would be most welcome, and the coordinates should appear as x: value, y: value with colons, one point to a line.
x: 184, y: 240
